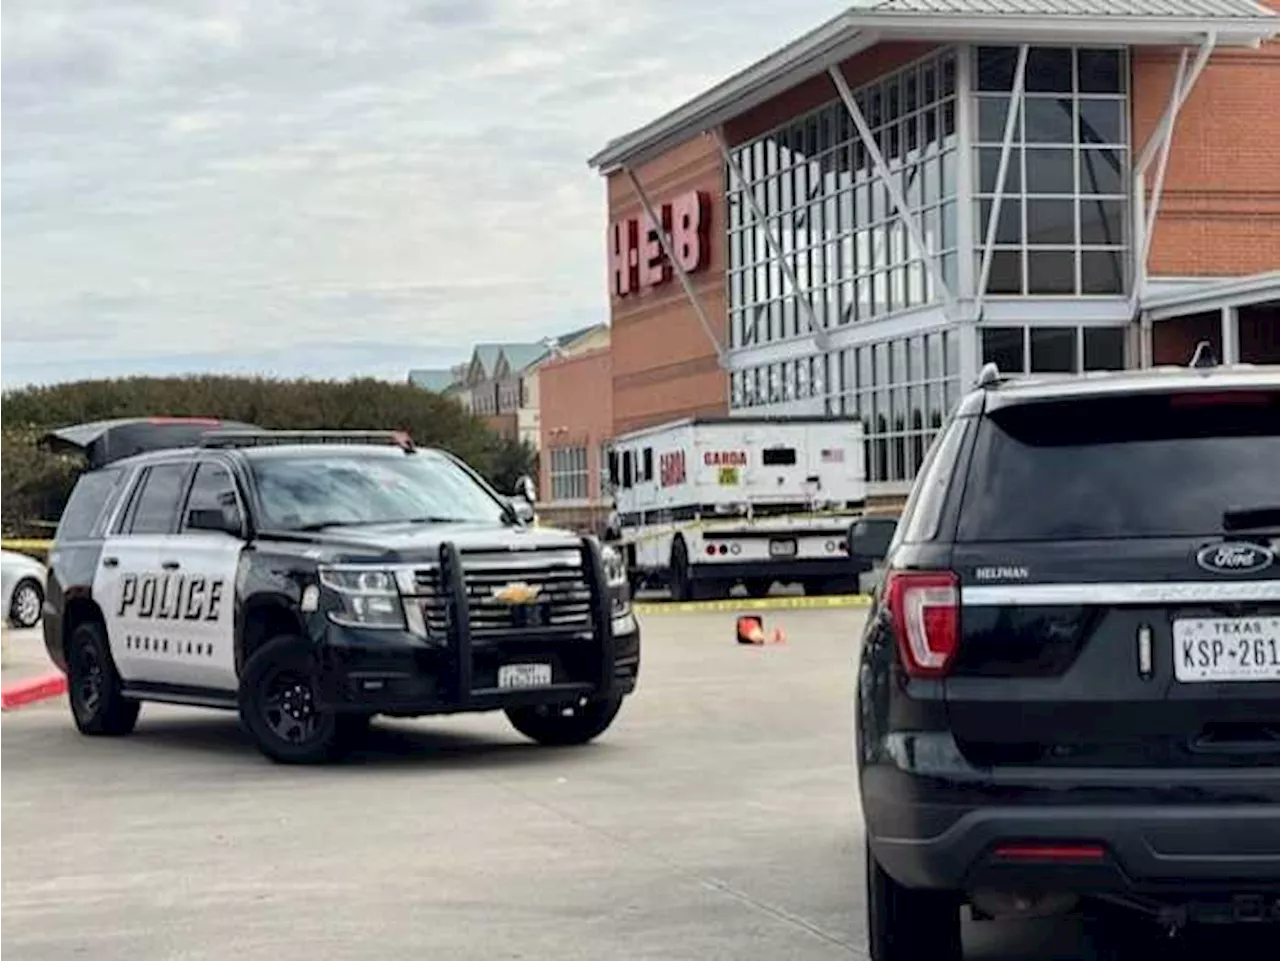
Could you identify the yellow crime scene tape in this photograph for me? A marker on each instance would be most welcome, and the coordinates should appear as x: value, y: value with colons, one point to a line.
x: 27, y: 545
x: 754, y: 604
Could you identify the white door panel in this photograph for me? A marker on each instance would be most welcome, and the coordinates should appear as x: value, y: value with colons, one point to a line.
x: 206, y: 587
x: 170, y: 607
x: 123, y: 569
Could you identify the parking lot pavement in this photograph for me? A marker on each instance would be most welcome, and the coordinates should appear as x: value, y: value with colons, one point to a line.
x: 27, y: 674
x: 716, y: 820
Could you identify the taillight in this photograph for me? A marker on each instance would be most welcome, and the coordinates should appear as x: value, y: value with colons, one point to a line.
x: 925, y: 607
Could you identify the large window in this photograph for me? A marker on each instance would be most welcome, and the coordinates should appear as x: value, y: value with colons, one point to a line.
x: 569, y: 475
x: 901, y: 391
x: 1054, y: 350
x: 832, y: 214
x: 1062, y: 228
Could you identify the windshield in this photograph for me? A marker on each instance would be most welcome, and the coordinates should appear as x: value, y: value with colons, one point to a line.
x: 1182, y: 465
x: 309, y: 491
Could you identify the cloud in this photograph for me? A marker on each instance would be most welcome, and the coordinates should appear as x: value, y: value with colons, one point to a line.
x: 321, y: 183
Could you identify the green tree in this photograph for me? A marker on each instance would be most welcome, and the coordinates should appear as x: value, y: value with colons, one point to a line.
x: 36, y: 483
x: 508, y: 460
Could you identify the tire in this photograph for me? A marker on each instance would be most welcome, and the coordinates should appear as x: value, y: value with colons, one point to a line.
x: 758, y: 587
x: 909, y: 925
x: 683, y: 585
x: 681, y: 579
x: 27, y: 603
x: 565, y: 725
x: 98, y: 707
x: 277, y: 697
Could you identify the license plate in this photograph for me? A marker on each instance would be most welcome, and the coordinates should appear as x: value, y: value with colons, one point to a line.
x: 1212, y: 649
x: 512, y: 676
x: 782, y: 548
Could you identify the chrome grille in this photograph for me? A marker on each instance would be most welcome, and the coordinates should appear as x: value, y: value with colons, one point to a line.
x: 563, y: 604
x: 564, y: 596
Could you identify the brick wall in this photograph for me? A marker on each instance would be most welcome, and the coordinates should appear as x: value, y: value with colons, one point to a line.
x: 664, y: 365
x: 1220, y: 215
x: 577, y: 411
x: 813, y: 93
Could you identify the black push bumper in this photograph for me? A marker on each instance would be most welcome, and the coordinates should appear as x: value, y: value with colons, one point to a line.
x: 398, y: 674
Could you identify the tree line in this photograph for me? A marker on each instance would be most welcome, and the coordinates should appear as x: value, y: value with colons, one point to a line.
x: 35, y: 483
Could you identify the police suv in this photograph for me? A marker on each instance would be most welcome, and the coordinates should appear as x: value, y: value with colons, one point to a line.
x: 1069, y: 690
x: 310, y: 580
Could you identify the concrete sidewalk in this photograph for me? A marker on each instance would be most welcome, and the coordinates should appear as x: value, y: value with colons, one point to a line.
x: 26, y: 673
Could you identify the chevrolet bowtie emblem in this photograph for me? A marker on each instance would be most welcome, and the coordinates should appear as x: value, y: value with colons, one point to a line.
x: 517, y: 592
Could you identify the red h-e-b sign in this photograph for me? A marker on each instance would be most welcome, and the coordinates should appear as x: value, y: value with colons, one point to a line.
x: 636, y: 259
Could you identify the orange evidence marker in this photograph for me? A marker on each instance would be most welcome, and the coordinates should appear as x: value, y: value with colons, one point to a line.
x: 751, y: 630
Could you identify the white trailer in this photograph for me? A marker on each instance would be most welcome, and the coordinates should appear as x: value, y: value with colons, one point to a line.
x: 703, y: 504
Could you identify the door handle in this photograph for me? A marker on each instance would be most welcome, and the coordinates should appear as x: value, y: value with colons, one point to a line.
x: 170, y: 565
x: 111, y: 562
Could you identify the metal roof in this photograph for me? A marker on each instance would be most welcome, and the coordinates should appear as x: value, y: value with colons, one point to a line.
x: 1074, y: 8
x: 438, y: 380
x: 1161, y: 22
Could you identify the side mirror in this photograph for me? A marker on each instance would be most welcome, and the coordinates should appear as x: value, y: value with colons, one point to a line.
x: 523, y: 509
x: 213, y: 519
x: 526, y: 490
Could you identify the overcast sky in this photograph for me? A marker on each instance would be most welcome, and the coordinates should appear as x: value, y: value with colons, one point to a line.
x: 326, y: 187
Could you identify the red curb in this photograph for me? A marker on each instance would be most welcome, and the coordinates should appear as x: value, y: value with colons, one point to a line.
x: 36, y: 689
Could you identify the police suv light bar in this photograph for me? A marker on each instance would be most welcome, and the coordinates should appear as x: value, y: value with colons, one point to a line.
x: 265, y: 438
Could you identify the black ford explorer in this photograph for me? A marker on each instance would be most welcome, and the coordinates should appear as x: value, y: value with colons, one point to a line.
x: 1069, y: 689
x: 313, y: 580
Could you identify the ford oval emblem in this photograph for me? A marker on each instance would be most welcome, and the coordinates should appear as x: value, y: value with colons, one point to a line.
x: 1235, y: 558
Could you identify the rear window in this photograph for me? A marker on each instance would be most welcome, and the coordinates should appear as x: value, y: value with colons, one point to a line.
x: 94, y: 496
x: 1147, y: 466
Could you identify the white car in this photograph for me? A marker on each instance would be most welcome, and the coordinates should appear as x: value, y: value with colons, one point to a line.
x: 23, y: 581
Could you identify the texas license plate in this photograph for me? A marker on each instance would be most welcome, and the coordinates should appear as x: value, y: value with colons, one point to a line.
x: 514, y: 676
x: 780, y: 547
x: 1208, y: 649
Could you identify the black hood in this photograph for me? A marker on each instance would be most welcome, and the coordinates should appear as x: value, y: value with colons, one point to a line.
x: 421, y: 542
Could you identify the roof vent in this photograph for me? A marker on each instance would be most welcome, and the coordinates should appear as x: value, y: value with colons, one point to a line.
x: 989, y: 376
x: 1204, y: 357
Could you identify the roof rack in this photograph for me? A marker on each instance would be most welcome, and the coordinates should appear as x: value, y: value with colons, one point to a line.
x: 268, y: 438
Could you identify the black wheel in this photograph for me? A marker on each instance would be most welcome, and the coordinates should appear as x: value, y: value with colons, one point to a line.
x: 683, y: 585
x: 93, y: 686
x: 561, y: 725
x: 681, y: 577
x: 758, y: 587
x: 27, y: 603
x: 907, y: 925
x: 278, y: 704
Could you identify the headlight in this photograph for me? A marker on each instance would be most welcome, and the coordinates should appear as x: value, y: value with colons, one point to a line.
x: 366, y: 597
x: 615, y: 568
x: 616, y: 582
